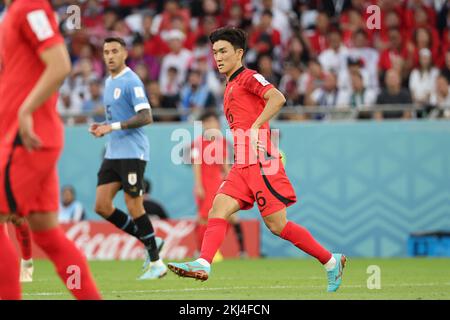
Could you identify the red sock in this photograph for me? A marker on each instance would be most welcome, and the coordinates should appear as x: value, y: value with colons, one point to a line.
x: 201, y: 228
x: 68, y: 260
x: 24, y: 239
x: 214, y: 236
x: 302, y: 239
x: 9, y: 267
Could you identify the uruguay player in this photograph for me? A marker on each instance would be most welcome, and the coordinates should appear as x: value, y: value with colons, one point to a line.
x: 127, y: 152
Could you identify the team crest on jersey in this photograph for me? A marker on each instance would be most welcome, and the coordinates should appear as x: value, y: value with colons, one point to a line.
x: 132, y: 178
x: 117, y: 92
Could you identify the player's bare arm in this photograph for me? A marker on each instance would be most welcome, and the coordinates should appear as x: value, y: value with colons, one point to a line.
x: 142, y: 118
x: 57, y: 67
x: 274, y: 102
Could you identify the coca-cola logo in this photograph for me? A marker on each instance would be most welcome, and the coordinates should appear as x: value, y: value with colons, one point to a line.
x: 100, y: 241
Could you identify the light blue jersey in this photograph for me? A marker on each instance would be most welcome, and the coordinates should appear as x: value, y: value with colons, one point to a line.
x: 123, y: 97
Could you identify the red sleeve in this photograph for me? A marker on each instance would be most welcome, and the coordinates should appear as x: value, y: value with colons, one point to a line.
x: 39, y: 27
x: 257, y: 84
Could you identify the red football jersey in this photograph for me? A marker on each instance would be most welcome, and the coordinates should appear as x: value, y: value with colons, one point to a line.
x: 211, y: 154
x: 29, y: 27
x: 243, y: 103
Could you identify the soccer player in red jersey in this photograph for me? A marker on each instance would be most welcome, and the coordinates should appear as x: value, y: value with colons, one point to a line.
x: 258, y: 175
x: 23, y: 236
x: 210, y: 164
x: 34, y: 62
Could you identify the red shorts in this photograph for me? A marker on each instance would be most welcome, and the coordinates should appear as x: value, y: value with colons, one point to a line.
x: 272, y: 192
x: 28, y: 180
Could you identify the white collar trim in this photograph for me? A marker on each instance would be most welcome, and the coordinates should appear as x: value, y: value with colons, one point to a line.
x: 125, y: 70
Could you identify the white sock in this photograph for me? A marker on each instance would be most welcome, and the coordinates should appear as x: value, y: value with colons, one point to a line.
x: 203, y: 262
x: 331, y: 264
x: 27, y: 263
x: 158, y: 263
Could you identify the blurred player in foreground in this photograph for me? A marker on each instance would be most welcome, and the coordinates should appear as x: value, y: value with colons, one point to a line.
x: 127, y: 152
x: 23, y: 236
x: 34, y: 63
x: 210, y: 165
x: 250, y: 101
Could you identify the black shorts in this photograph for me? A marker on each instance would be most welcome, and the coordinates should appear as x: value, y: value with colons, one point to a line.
x: 129, y: 172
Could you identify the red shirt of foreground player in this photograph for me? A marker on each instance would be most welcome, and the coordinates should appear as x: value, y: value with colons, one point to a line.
x: 29, y: 33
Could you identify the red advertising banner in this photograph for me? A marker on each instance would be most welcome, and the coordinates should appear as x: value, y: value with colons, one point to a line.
x: 100, y: 240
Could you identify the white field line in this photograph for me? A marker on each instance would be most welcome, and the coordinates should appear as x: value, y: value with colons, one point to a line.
x: 239, y: 288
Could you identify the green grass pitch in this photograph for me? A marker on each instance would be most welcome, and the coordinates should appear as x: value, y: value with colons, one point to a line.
x: 419, y: 278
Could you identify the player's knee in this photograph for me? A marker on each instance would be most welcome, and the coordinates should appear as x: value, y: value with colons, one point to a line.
x: 103, y: 209
x: 275, y: 227
x: 214, y: 213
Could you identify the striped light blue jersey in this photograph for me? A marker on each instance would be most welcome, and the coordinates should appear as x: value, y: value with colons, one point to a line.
x: 123, y: 97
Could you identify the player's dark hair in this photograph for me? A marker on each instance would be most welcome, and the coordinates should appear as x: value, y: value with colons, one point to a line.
x: 237, y: 37
x: 208, y: 114
x: 115, y: 39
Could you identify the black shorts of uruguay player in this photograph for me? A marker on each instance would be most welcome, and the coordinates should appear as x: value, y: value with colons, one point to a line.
x: 129, y: 172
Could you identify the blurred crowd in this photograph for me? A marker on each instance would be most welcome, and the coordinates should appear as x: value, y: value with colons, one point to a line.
x: 318, y: 53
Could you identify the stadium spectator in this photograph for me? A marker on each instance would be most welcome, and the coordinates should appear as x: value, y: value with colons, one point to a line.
x: 368, y: 56
x: 360, y: 97
x: 178, y: 58
x: 71, y: 210
x: 88, y: 51
x: 211, y: 8
x: 353, y: 24
x: 264, y: 39
x: 328, y: 95
x: 334, y: 59
x: 423, y: 79
x: 153, y: 208
x: 445, y: 71
x: 159, y: 102
x: 394, y: 94
x: 93, y: 109
x: 154, y: 45
x: 314, y: 76
x: 440, y: 99
x: 138, y: 56
x: 162, y: 23
x: 236, y: 14
x: 207, y: 25
x: 318, y: 37
x: 78, y: 84
x: 172, y: 85
x: 354, y: 65
x: 297, y: 52
x: 265, y: 67
x: 209, y: 76
x: 394, y: 55
x: 291, y: 85
x: 423, y: 39
x: 142, y: 71
x: 280, y: 10
x: 195, y: 97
